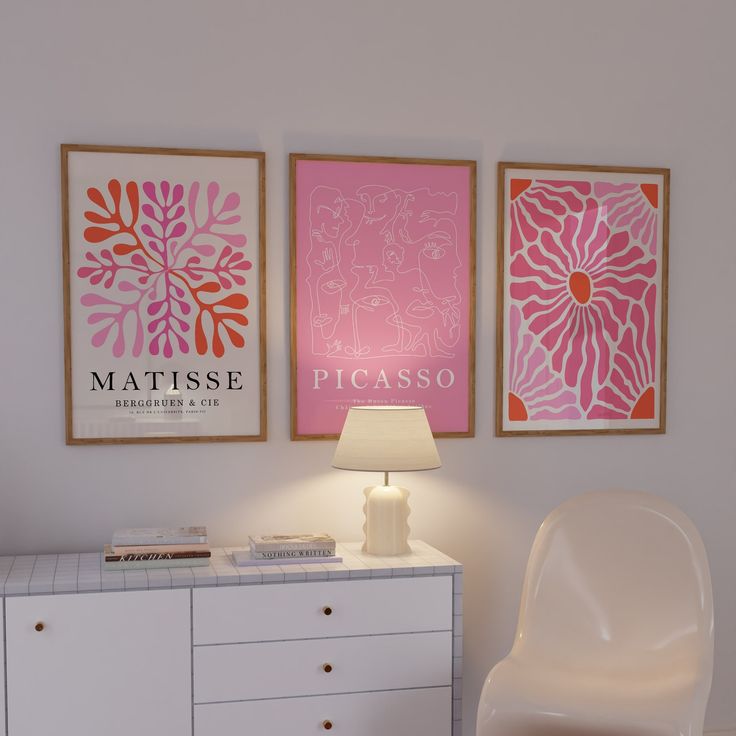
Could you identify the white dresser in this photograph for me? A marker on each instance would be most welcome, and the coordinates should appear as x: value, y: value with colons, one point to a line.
x: 363, y: 647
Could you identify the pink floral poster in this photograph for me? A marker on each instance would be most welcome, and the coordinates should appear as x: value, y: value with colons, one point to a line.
x: 164, y: 300
x: 582, y: 299
x: 382, y: 273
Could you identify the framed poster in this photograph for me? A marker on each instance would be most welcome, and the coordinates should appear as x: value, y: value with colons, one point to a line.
x: 582, y: 299
x: 382, y: 290
x: 164, y: 294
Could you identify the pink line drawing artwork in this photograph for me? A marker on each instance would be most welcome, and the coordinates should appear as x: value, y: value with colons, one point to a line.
x: 383, y: 261
x: 382, y: 272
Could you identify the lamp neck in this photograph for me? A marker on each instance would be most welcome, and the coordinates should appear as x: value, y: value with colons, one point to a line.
x: 385, y: 477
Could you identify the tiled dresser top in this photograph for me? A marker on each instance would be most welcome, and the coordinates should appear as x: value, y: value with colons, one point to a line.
x: 83, y: 573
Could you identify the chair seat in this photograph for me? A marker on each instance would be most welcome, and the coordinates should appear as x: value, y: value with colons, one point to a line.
x: 534, y: 697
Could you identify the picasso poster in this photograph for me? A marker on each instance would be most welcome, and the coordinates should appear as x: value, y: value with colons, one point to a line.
x: 382, y: 300
x: 582, y: 299
x: 164, y: 294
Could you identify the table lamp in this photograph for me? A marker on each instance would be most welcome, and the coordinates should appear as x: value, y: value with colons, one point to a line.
x: 386, y: 439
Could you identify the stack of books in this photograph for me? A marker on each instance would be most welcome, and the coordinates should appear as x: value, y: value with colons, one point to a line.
x: 280, y: 549
x: 140, y: 549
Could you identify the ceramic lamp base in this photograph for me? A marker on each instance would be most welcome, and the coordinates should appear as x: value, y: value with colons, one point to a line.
x: 386, y: 515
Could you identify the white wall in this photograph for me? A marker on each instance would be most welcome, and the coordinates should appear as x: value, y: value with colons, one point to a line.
x: 580, y: 81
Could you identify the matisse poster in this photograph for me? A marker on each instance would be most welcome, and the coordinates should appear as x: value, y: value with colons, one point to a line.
x: 582, y: 286
x: 164, y: 294
x: 382, y: 278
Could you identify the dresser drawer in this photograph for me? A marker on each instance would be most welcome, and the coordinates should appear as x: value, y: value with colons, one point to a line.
x: 320, y: 609
x: 404, y: 713
x: 293, y: 668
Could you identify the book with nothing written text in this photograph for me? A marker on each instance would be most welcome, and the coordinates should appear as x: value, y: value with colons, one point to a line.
x: 296, y: 553
x: 244, y: 558
x: 155, y: 536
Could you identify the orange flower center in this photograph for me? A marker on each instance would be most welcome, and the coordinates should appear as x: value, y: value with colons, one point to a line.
x: 580, y: 286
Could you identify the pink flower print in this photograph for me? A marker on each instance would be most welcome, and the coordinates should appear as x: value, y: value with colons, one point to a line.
x: 539, y: 205
x: 536, y: 392
x: 632, y: 207
x: 629, y: 391
x: 575, y: 287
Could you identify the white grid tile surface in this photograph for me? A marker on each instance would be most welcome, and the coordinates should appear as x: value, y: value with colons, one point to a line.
x: 82, y: 573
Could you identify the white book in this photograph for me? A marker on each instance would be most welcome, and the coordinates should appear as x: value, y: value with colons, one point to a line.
x: 155, y: 535
x: 244, y: 558
x: 279, y: 542
x: 140, y: 549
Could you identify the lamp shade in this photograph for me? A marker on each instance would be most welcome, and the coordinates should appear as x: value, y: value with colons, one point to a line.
x: 387, y: 439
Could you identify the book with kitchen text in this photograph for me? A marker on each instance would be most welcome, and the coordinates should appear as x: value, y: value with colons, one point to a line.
x: 155, y: 564
x: 162, y: 554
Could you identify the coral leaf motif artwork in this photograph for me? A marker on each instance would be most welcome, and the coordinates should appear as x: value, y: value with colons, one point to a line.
x: 583, y: 299
x: 164, y: 294
x: 165, y: 265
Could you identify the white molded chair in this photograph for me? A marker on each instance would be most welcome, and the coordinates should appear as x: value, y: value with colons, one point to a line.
x: 615, y: 632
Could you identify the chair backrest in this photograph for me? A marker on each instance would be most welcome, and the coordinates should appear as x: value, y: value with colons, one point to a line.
x: 618, y: 582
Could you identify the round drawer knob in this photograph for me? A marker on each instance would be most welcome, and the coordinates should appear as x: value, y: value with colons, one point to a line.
x: 327, y: 667
x: 327, y: 611
x: 327, y: 725
x: 39, y: 626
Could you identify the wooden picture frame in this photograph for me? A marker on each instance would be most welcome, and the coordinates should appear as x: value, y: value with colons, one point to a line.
x: 164, y: 294
x: 581, y: 342
x: 382, y: 289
